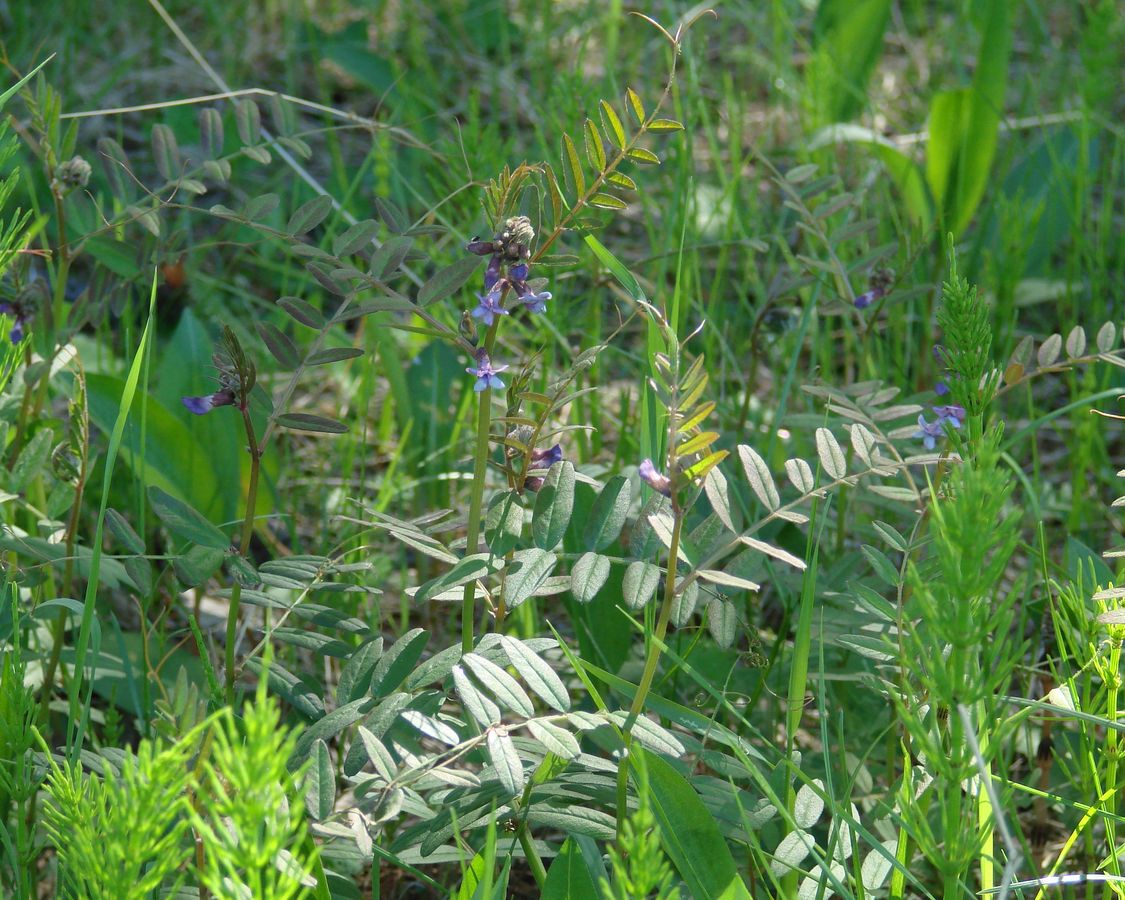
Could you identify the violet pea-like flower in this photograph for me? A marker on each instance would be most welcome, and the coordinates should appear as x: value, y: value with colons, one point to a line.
x: 547, y: 457
x: 20, y: 320
x: 536, y: 303
x: 929, y: 432
x: 206, y: 403
x: 953, y: 414
x: 865, y: 299
x: 486, y: 374
x: 488, y: 307
x: 651, y: 476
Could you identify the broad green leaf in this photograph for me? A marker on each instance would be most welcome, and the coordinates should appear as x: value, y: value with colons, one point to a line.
x: 569, y: 877
x: 595, y: 148
x: 573, y: 165
x: 308, y: 422
x: 184, y: 521
x: 279, y: 345
x: 556, y: 740
x: 355, y: 676
x: 640, y: 583
x: 847, y: 43
x: 613, y: 126
x: 249, y: 120
x: 165, y: 152
x: 328, y: 727
x: 197, y: 565
x: 502, y: 685
x: 526, y: 574
x: 448, y: 281
x: 506, y: 761
x: 607, y: 201
x: 124, y: 532
x: 537, y: 673
x: 588, y: 576
x: 476, y: 704
x: 554, y: 506
x: 503, y: 523
x: 398, y: 661
x: 302, y: 311
x: 469, y: 568
x: 320, y: 783
x: 357, y: 237
x: 690, y: 835
x: 608, y: 514
x: 309, y: 215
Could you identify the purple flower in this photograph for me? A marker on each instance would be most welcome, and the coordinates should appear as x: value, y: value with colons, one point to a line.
x: 941, y: 388
x: 929, y: 432
x: 486, y: 374
x: 547, y: 458
x: 488, y: 307
x: 518, y: 272
x: 480, y: 248
x: 492, y: 273
x: 866, y: 299
x: 953, y: 414
x: 21, y: 317
x: 662, y: 484
x: 201, y: 405
x: 536, y: 303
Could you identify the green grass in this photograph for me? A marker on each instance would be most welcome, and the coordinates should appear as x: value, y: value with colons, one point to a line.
x: 921, y: 628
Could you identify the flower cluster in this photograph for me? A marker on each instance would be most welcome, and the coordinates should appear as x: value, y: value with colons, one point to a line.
x: 508, y: 265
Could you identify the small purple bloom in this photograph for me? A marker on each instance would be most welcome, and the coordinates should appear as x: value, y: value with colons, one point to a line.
x: 488, y: 307
x: 492, y: 273
x: 547, y: 458
x: 532, y: 483
x: 941, y: 388
x: 662, y: 484
x: 480, y: 248
x: 953, y: 414
x: 20, y: 317
x: 202, y: 405
x: 486, y: 374
x: 518, y: 272
x: 866, y: 299
x: 929, y: 432
x: 536, y: 303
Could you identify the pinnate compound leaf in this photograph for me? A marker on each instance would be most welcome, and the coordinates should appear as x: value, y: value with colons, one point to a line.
x: 355, y: 238
x: 279, y: 345
x: 469, y: 568
x: 248, y: 118
x: 800, y: 475
x: 665, y: 125
x: 607, y: 201
x: 1049, y: 351
x: 595, y: 149
x: 641, y: 155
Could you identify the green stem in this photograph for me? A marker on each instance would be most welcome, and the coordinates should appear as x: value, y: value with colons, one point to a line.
x: 243, y: 547
x: 655, y: 648
x: 534, y: 861
x: 476, y: 501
